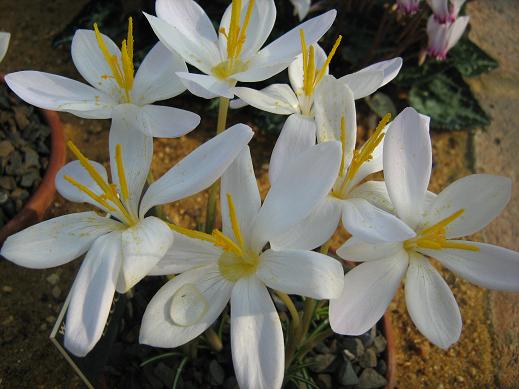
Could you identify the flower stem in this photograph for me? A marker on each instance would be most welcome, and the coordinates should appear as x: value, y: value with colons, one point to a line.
x: 294, y: 330
x: 223, y: 108
x: 213, y: 339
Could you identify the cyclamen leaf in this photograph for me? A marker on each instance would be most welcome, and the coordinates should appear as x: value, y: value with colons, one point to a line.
x: 471, y: 60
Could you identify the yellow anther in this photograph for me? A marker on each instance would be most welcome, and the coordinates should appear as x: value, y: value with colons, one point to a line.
x: 322, y: 72
x: 343, y: 143
x: 120, y: 172
x: 234, y: 220
x: 92, y: 171
x: 237, y: 34
x: 442, y: 224
x: 100, y: 199
x: 226, y: 243
x: 304, y: 50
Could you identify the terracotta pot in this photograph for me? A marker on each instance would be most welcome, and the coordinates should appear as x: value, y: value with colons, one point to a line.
x: 34, y: 209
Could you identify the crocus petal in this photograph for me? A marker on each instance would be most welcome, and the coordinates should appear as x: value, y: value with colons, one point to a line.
x: 185, y: 28
x: 50, y: 91
x: 375, y: 192
x: 169, y: 122
x: 143, y: 246
x: 297, y: 136
x: 407, y: 164
x: 301, y: 7
x: 4, y: 44
x: 481, y: 196
x: 367, y: 222
x: 256, y: 336
x: 156, y: 78
x: 199, y: 169
x: 296, y: 72
x: 491, y: 267
x: 314, y: 230
x: 205, y: 86
x: 92, y: 294
x: 275, y: 98
x: 430, y: 303
x: 368, y: 80
x: 368, y: 290
x: 159, y: 329
x: 136, y: 152
x: 290, y: 198
x: 357, y: 250
x: 56, y: 241
x: 240, y: 182
x: 277, y: 55
x: 302, y: 272
x: 91, y: 63
x: 185, y: 254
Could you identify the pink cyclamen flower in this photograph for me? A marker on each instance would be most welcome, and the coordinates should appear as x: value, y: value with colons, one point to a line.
x: 408, y: 6
x: 445, y: 11
x: 443, y: 37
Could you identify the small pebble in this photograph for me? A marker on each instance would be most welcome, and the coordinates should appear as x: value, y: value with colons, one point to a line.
x: 53, y: 278
x: 56, y: 292
x: 321, y: 362
x: 50, y: 319
x: 7, y: 289
x: 370, y: 379
x: 368, y: 359
x: 347, y: 375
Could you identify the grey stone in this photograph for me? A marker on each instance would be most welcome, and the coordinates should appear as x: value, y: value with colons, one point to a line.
x: 370, y: 379
x: 347, y: 375
x: 380, y: 344
x: 382, y: 367
x: 6, y: 148
x: 369, y: 358
x: 354, y: 345
x: 53, y: 278
x: 321, y: 362
x: 56, y: 292
x: 7, y: 182
x: 324, y: 381
x: 217, y: 373
x: 4, y: 196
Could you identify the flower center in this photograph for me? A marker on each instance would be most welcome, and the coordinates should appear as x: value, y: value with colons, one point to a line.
x: 122, y: 71
x: 311, y: 75
x: 433, y: 237
x: 235, y: 39
x: 110, y: 198
x: 360, y: 157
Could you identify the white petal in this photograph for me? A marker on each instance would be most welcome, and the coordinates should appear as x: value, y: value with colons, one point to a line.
x: 334, y: 101
x: 4, y: 44
x: 56, y: 241
x: 185, y: 254
x: 301, y: 7
x: 290, y: 198
x: 375, y: 192
x: 199, y: 169
x: 368, y: 290
x: 297, y: 136
x: 240, y: 182
x: 275, y: 98
x: 169, y: 122
x: 257, y: 345
x: 295, y: 70
x: 407, y: 164
x: 92, y: 294
x: 184, y: 27
x: 50, y: 91
x: 481, y: 196
x: 301, y: 272
x: 158, y: 328
x: 91, y: 63
x: 136, y: 150
x: 143, y: 246
x: 156, y: 78
x: 277, y: 55
x: 456, y: 31
x: 430, y: 303
x: 358, y: 250
x: 314, y: 230
x: 367, y: 222
x: 205, y: 86
x: 491, y: 267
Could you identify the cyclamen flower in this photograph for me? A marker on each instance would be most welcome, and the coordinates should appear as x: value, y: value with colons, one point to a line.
x: 120, y: 250
x: 231, y: 265
x: 363, y: 206
x: 408, y: 6
x: 4, y: 44
x: 301, y: 7
x: 446, y: 11
x: 443, y: 37
x: 110, y: 73
x: 463, y: 208
x: 234, y: 54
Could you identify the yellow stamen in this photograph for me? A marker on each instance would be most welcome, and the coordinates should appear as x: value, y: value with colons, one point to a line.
x: 343, y: 143
x: 442, y: 224
x: 120, y: 172
x: 192, y: 233
x: 92, y: 171
x: 234, y: 220
x: 226, y: 243
x: 303, y: 49
x: 322, y: 72
x: 100, y: 199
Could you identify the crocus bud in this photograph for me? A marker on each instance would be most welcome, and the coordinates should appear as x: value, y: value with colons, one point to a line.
x: 445, y: 11
x: 408, y: 6
x: 443, y: 37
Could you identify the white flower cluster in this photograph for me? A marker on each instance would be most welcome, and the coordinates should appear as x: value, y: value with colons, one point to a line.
x: 318, y: 178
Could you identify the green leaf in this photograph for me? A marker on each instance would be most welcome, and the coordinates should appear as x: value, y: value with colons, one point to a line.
x: 381, y: 104
x: 448, y: 100
x: 411, y: 75
x: 471, y: 60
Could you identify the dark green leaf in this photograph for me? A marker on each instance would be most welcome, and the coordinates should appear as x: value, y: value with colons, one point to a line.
x: 411, y: 75
x: 381, y: 104
x: 470, y: 60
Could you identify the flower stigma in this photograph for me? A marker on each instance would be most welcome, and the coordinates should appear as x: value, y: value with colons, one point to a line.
x: 235, y: 39
x: 433, y: 237
x: 110, y: 198
x: 122, y: 72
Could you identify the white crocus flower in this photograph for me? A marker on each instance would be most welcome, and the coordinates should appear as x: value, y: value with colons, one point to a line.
x: 4, y: 44
x: 463, y: 208
x: 234, y: 53
x: 120, y: 250
x: 362, y: 206
x: 301, y: 8
x: 233, y: 265
x: 110, y: 73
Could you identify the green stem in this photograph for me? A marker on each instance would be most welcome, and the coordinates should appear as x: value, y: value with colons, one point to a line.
x: 179, y: 371
x: 210, y: 218
x: 314, y: 341
x: 294, y: 330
